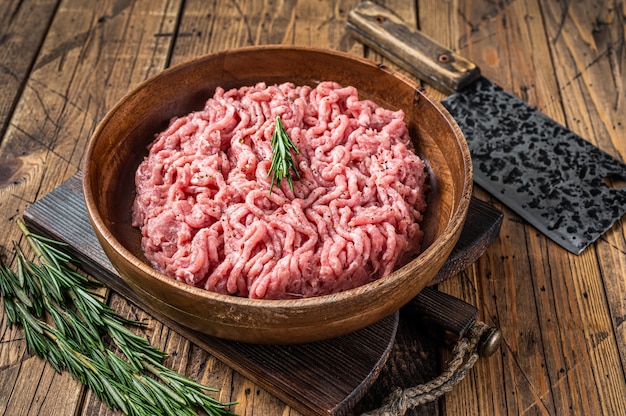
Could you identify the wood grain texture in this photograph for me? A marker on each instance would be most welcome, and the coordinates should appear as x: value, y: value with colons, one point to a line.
x: 596, y: 110
x: 562, y: 316
x: 383, y: 30
x: 551, y: 305
x: 18, y: 51
x: 88, y: 59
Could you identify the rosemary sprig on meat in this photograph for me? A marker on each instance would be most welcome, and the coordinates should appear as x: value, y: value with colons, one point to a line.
x: 282, y: 159
x: 67, y: 324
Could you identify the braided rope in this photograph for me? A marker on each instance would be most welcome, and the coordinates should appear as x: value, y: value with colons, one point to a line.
x: 464, y: 356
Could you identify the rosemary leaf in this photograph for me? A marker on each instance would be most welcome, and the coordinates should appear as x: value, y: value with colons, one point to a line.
x: 11, y: 287
x: 282, y: 159
x: 26, y: 282
x: 135, y: 382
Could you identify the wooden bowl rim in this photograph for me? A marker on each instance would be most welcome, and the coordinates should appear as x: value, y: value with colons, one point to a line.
x: 456, y: 221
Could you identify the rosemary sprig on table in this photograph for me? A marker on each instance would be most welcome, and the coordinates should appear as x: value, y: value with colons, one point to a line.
x: 72, y: 339
x: 282, y: 159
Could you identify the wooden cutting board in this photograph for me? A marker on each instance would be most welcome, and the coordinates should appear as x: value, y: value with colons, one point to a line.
x: 327, y: 377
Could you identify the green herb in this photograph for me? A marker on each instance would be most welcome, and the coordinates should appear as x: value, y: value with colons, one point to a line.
x: 67, y: 324
x: 282, y: 160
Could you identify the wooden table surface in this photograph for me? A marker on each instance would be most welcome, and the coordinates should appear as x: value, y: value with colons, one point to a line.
x: 64, y: 63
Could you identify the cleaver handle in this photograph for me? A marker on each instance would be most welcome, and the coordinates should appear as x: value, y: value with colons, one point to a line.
x: 383, y: 31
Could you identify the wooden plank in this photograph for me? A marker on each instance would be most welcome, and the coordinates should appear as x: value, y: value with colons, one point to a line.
x: 207, y: 27
x: 489, y: 42
x: 87, y: 60
x: 550, y: 305
x: 593, y: 82
x: 18, y: 50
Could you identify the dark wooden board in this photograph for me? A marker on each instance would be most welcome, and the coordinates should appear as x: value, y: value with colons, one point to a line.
x: 327, y: 377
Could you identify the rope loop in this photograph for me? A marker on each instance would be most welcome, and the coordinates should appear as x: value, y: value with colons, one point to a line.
x: 464, y: 355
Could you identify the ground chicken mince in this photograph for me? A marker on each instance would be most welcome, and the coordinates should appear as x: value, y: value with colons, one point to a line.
x: 207, y: 216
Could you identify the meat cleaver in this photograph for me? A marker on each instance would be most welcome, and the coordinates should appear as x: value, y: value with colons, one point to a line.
x: 550, y: 176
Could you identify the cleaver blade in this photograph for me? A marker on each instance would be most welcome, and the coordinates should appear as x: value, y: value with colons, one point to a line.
x: 547, y: 174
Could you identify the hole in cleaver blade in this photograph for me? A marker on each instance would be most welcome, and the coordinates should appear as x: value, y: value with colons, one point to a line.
x: 566, y: 187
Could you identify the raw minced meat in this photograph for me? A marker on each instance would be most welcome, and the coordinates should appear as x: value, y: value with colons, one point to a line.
x: 207, y: 217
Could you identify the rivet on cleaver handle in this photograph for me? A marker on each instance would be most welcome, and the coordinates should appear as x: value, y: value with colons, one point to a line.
x: 386, y: 33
